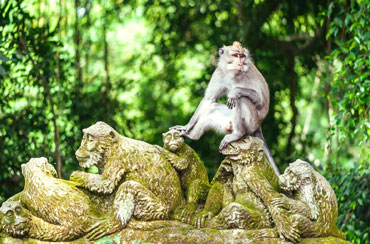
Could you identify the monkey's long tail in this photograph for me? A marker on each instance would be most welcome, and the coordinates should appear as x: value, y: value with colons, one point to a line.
x: 258, y: 133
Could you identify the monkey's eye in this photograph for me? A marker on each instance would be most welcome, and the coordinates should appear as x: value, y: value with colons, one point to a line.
x: 9, y: 214
x: 241, y: 56
x: 235, y: 55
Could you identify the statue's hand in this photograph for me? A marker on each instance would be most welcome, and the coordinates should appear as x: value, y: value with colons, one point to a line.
x: 185, y: 214
x: 78, y: 178
x: 280, y: 202
x: 286, y: 228
x: 201, y: 219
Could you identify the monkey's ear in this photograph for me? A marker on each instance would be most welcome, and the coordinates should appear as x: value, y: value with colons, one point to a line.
x: 246, y: 52
x: 221, y: 51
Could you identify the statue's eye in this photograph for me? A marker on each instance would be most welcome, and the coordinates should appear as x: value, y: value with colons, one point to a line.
x: 235, y: 55
x: 18, y: 209
x: 9, y: 214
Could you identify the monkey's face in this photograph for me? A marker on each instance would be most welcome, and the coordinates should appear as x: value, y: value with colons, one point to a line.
x: 37, y: 165
x: 15, y: 220
x: 234, y: 58
x: 172, y: 140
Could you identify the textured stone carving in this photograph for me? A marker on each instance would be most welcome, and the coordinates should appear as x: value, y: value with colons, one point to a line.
x: 60, y: 211
x: 14, y: 219
x: 193, y: 174
x: 149, y: 187
x: 313, y: 204
x: 236, y: 197
x: 139, y: 188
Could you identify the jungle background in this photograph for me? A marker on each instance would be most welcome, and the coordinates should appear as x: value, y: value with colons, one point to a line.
x: 142, y: 66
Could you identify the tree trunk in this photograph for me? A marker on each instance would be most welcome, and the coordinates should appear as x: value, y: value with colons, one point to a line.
x: 77, y: 37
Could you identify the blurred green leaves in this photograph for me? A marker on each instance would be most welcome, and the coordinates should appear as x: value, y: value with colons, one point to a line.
x: 155, y: 63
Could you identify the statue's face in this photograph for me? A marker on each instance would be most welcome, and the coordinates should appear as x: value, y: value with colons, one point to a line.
x: 91, y: 151
x: 289, y: 181
x: 172, y: 140
x: 38, y: 165
x: 245, y: 151
x: 298, y: 173
x: 14, y: 219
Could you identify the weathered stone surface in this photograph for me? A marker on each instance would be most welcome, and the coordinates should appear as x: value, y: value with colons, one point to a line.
x: 139, y: 187
x: 186, y: 235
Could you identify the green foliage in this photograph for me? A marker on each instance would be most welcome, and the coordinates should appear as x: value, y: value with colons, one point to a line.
x: 350, y: 85
x: 352, y: 188
x: 142, y: 66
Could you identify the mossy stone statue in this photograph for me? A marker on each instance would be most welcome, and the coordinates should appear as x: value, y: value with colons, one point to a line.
x: 138, y: 187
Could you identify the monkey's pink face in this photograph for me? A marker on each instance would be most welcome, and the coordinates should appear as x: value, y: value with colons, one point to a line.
x: 234, y: 60
x: 237, y: 62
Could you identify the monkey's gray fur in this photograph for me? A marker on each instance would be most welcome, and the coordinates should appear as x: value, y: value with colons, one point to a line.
x: 248, y: 101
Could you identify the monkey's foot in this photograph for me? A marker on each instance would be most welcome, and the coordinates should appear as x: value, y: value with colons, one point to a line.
x: 223, y: 144
x: 179, y: 127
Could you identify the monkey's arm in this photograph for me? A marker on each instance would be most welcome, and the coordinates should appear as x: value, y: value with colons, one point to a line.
x: 239, y: 92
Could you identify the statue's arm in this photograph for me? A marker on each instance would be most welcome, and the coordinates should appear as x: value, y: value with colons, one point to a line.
x: 104, y: 183
x: 178, y: 162
x: 42, y: 230
x: 292, y: 205
x: 262, y: 187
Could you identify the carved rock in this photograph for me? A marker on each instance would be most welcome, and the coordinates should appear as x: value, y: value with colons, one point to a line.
x: 192, y: 172
x: 139, y: 187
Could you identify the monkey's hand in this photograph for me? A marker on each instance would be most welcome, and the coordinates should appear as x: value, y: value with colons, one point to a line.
x: 231, y: 102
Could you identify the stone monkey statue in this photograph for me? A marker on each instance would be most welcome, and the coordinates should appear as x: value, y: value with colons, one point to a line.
x: 313, y: 204
x: 193, y: 174
x: 248, y: 101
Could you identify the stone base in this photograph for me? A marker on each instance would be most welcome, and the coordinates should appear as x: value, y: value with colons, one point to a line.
x: 184, y: 235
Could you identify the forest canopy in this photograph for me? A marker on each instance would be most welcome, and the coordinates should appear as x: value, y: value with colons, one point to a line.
x: 142, y: 67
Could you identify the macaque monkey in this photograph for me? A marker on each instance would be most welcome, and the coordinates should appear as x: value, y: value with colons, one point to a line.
x: 248, y: 101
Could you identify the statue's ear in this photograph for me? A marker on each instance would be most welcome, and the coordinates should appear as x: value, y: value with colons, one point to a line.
x: 113, y: 136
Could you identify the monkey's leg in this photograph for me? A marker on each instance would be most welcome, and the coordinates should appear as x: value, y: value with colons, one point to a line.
x: 244, y: 121
x: 134, y: 199
x: 217, y: 117
x: 197, y: 190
